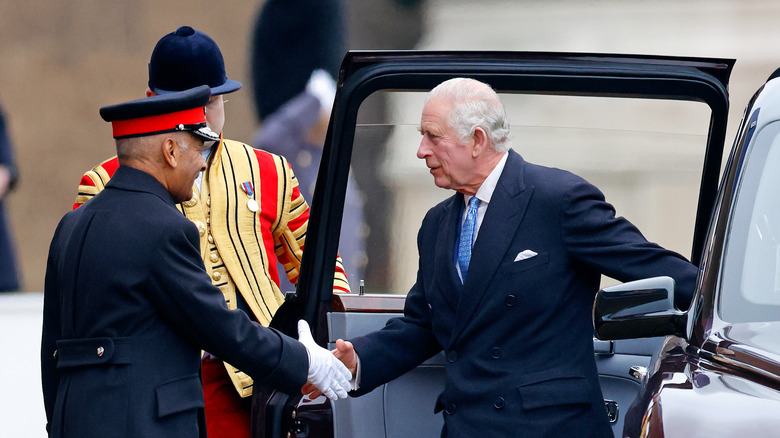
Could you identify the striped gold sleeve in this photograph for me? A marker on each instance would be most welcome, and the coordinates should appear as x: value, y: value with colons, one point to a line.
x: 288, y: 246
x: 94, y: 181
x: 290, y: 234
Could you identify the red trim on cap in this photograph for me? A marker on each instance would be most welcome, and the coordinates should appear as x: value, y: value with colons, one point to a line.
x: 160, y: 123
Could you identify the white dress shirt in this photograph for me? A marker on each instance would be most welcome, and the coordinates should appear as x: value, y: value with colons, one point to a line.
x: 484, y: 193
x: 199, y: 179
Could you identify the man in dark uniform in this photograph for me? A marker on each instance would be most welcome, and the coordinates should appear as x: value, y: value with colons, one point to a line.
x: 128, y: 304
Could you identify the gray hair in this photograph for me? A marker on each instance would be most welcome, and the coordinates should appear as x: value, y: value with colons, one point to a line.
x: 135, y: 148
x: 132, y: 148
x: 475, y: 104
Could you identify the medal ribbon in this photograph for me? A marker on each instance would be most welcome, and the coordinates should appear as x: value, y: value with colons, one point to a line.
x: 248, y: 188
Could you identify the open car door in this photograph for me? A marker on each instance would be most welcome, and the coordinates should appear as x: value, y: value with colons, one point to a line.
x: 647, y: 130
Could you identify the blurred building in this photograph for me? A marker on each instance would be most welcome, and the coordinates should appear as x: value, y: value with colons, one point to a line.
x: 68, y: 59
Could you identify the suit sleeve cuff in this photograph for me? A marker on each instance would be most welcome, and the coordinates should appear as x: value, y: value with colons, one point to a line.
x: 355, y: 382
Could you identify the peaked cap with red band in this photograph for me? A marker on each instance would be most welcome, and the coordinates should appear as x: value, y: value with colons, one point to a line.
x: 179, y: 111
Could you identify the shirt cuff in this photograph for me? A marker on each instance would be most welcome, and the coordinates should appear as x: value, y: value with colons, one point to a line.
x: 355, y: 382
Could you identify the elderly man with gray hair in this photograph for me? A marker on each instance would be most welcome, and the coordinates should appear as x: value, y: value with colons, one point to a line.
x: 509, y: 266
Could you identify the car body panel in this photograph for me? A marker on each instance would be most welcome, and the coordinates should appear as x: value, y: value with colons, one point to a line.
x: 722, y: 377
x: 691, y: 397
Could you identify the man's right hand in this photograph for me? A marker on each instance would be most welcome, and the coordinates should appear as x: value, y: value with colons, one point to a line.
x: 326, y: 373
x: 344, y: 352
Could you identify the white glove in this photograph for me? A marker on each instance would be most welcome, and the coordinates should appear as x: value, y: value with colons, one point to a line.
x: 326, y: 372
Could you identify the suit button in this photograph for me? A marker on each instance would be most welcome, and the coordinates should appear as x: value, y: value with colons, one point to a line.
x: 499, y: 403
x: 495, y: 352
x: 510, y: 300
x: 100, y: 351
x: 216, y: 276
x: 211, y: 238
x: 214, y: 258
x: 451, y: 408
x: 452, y: 356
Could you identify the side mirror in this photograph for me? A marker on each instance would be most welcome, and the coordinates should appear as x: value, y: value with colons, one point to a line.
x: 638, y: 309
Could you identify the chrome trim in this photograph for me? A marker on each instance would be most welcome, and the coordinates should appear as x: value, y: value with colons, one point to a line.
x: 613, y: 410
x: 638, y: 372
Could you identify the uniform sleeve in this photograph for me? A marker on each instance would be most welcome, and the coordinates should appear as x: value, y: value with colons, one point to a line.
x: 614, y: 246
x: 404, y: 342
x: 291, y: 236
x: 89, y: 186
x: 288, y: 124
x: 94, y: 181
x: 183, y: 294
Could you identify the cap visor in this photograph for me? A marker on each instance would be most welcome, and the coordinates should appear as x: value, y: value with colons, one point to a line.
x: 228, y: 87
x: 206, y: 133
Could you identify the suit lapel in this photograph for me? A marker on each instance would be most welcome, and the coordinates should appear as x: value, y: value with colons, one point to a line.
x: 502, y: 219
x: 445, y: 274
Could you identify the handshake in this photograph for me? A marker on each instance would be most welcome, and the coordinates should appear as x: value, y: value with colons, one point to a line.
x: 328, y: 374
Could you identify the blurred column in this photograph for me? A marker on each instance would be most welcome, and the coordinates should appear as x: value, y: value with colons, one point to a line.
x: 380, y: 25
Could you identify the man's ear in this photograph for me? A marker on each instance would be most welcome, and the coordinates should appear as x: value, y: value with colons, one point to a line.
x: 480, y: 139
x: 170, y: 151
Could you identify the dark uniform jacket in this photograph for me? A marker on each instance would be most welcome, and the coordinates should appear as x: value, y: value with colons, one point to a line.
x: 518, y: 334
x: 128, y: 307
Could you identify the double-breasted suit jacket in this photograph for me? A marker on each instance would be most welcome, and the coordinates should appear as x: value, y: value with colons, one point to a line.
x: 517, y: 333
x: 128, y: 307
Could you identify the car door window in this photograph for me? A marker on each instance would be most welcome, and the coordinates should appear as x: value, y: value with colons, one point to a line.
x: 750, y: 286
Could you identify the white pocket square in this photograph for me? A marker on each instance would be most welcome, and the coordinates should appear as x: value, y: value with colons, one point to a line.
x: 527, y: 254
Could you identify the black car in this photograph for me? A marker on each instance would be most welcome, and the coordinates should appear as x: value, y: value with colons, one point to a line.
x: 718, y: 371
x: 648, y: 130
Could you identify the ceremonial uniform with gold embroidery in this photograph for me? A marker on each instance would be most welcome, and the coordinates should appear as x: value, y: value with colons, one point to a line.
x: 240, y: 247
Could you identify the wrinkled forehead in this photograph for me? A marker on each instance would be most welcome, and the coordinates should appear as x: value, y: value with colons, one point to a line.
x: 437, y: 107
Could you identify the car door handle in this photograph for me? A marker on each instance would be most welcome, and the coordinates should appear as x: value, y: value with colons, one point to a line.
x: 613, y: 410
x: 638, y: 372
x: 603, y: 348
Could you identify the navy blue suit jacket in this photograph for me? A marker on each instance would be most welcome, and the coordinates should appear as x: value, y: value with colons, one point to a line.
x: 518, y: 334
x: 128, y: 307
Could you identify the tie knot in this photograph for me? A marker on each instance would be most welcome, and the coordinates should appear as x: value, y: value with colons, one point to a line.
x: 473, y: 202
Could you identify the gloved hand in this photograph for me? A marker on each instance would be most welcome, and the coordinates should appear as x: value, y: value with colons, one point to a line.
x: 326, y: 372
x: 322, y: 86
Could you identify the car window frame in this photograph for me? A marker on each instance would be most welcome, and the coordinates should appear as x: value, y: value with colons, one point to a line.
x: 604, y: 75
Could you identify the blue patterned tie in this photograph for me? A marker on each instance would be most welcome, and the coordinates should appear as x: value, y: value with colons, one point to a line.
x: 466, y: 236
